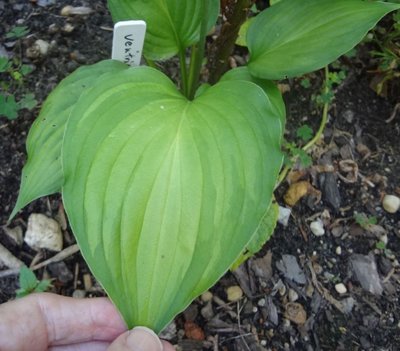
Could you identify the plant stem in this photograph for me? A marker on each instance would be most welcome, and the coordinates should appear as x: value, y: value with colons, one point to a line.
x: 236, y: 14
x: 183, y: 67
x: 324, y: 115
x: 151, y: 63
x: 317, y: 136
x: 197, y: 55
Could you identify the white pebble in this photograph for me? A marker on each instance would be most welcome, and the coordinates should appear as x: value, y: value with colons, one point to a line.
x: 284, y: 215
x: 384, y: 238
x: 338, y: 250
x: 391, y: 203
x: 234, y: 293
x: 293, y: 295
x: 75, y: 11
x: 206, y: 296
x: 43, y: 233
x: 317, y: 228
x: 261, y: 302
x: 42, y: 46
x: 341, y: 288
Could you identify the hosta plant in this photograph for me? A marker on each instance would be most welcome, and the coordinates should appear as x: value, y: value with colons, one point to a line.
x: 167, y: 188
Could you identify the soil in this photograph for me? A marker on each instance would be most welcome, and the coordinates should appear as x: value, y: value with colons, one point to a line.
x: 291, y: 299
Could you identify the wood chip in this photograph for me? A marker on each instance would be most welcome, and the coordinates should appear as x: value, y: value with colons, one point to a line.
x: 9, y: 260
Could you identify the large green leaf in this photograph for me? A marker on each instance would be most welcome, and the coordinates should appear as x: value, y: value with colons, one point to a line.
x: 42, y: 174
x: 262, y: 234
x: 269, y: 87
x: 162, y: 193
x: 172, y: 25
x: 295, y: 37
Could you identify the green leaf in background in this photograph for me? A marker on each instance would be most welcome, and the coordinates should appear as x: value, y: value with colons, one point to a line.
x: 5, y: 64
x: 26, y: 69
x: 305, y: 132
x: 27, y: 279
x: 172, y: 25
x: 42, y: 174
x: 17, y: 32
x: 28, y: 283
x: 8, y: 107
x: 261, y: 236
x: 164, y: 193
x: 295, y: 37
x: 28, y: 101
x: 271, y: 90
x: 242, y: 36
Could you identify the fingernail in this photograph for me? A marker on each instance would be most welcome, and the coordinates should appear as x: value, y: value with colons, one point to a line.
x: 143, y: 339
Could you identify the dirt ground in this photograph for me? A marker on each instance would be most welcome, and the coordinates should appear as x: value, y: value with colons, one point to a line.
x: 336, y: 290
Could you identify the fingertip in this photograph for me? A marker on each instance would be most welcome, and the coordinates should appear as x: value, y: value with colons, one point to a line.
x: 137, y: 339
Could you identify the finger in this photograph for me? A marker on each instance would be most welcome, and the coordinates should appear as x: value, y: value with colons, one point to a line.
x: 139, y: 339
x: 87, y: 346
x: 45, y: 320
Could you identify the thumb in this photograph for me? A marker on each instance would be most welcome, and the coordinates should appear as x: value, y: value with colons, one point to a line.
x: 137, y: 339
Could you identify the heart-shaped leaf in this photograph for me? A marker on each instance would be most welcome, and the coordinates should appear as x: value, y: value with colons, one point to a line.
x: 163, y: 193
x: 172, y: 25
x: 295, y: 37
x: 42, y: 174
x: 269, y: 87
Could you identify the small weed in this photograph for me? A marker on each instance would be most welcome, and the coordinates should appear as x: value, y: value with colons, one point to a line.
x: 17, y: 32
x: 305, y: 83
x: 305, y: 133
x: 328, y: 94
x: 12, y: 74
x: 364, y: 221
x: 29, y: 284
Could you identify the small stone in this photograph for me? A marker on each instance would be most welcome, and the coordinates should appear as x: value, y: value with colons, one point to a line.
x: 40, y: 48
x: 43, y: 233
x: 338, y: 251
x: 234, y: 293
x: 341, y: 288
x: 282, y: 290
x: 348, y: 304
x: 193, y: 331
x: 207, y: 311
x: 284, y: 215
x: 75, y: 11
x: 290, y: 268
x: 44, y: 3
x: 317, y: 228
x: 366, y: 272
x: 68, y: 28
x: 60, y: 271
x: 296, y: 313
x: 348, y: 115
x: 43, y: 46
x: 206, y: 296
x: 293, y: 295
x: 79, y: 294
x: 169, y: 332
x: 391, y: 203
x: 384, y: 238
x: 53, y: 28
x: 261, y: 302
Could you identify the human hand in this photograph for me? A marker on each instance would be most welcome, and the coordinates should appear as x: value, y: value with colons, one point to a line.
x: 46, y: 321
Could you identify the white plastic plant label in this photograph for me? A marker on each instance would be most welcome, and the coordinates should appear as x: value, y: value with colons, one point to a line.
x: 128, y: 41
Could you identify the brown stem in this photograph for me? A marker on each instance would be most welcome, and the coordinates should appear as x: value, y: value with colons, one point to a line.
x: 235, y: 12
